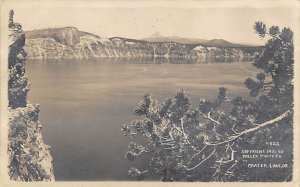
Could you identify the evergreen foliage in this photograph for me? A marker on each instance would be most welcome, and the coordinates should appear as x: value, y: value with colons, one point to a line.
x: 202, y: 144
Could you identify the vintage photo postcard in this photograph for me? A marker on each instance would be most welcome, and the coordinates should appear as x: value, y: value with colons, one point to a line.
x: 131, y: 93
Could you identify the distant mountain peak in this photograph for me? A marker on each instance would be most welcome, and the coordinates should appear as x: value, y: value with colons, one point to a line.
x: 222, y: 43
x: 156, y: 35
x: 218, y: 42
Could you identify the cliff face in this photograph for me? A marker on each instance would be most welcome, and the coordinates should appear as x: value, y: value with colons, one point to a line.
x: 68, y: 35
x: 43, y: 45
x: 29, y: 157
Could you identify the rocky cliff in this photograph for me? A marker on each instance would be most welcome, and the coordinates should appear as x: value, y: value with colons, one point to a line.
x: 29, y: 156
x: 69, y: 43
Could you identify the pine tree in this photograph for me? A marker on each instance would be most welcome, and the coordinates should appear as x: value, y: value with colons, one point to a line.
x: 190, y: 144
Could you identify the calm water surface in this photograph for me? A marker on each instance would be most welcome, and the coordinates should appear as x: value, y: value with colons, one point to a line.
x: 84, y: 104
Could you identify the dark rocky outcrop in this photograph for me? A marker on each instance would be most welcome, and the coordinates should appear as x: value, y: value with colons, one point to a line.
x: 29, y: 157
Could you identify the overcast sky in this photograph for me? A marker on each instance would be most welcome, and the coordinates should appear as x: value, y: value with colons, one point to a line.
x: 232, y: 24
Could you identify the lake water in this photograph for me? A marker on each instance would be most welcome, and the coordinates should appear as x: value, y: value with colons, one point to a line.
x: 84, y: 104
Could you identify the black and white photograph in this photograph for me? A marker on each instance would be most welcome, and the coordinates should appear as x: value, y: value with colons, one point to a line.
x: 149, y: 91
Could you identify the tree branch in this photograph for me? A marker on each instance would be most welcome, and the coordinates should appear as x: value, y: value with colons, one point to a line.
x: 199, y: 152
x: 189, y: 169
x: 272, y: 121
x: 209, y: 118
x: 184, y: 134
